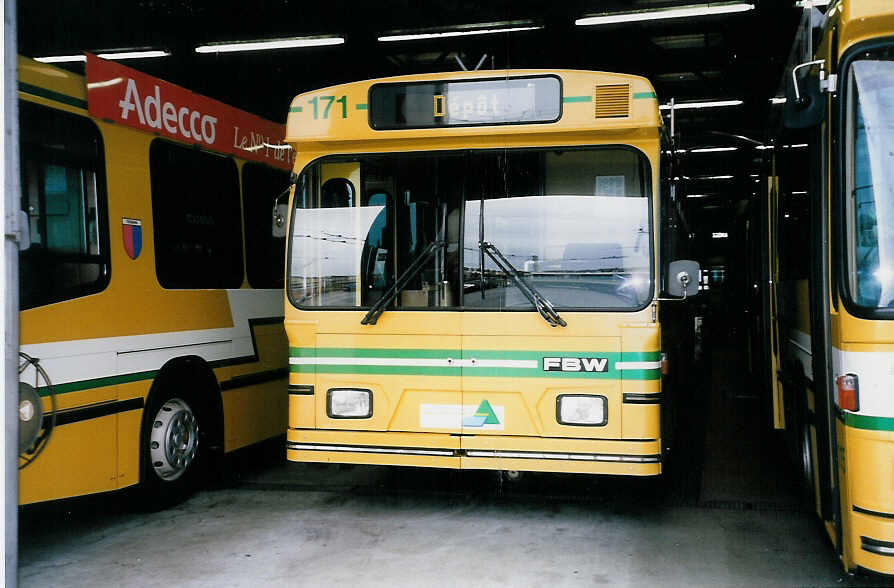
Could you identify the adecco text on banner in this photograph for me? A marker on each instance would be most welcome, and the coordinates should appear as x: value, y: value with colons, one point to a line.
x: 126, y: 96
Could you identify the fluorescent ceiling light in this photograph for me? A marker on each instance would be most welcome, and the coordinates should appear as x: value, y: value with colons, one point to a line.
x: 719, y: 235
x: 664, y: 13
x: 714, y: 149
x: 291, y: 43
x: 799, y: 193
x: 798, y: 146
x: 458, y: 33
x: 777, y: 100
x: 111, y: 55
x: 711, y: 104
x: 61, y: 58
x: 697, y: 195
x: 812, y: 3
x: 762, y: 147
x: 714, y: 178
x: 133, y: 54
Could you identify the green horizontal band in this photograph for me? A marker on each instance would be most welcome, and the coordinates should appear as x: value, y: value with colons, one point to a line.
x: 458, y: 370
x: 361, y: 107
x: 98, y: 383
x: 236, y: 382
x: 44, y: 93
x: 644, y: 95
x: 296, y: 109
x: 871, y: 423
x: 568, y: 99
x: 457, y: 353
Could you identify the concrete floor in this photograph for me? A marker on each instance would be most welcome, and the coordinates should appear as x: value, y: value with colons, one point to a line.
x: 728, y: 514
x: 293, y: 524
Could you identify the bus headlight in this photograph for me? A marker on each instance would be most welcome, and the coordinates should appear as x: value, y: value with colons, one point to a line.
x: 349, y: 403
x: 581, y: 409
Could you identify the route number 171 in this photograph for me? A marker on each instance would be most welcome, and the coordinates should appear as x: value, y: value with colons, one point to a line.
x: 326, y: 102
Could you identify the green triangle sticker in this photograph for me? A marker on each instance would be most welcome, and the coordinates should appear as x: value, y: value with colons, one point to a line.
x: 485, y: 410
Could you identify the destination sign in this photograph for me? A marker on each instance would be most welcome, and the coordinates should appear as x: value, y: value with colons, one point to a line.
x: 459, y: 103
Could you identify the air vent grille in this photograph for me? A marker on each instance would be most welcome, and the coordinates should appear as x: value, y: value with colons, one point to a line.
x: 612, y: 101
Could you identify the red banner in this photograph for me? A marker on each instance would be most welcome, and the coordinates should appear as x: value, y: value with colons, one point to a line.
x: 128, y: 97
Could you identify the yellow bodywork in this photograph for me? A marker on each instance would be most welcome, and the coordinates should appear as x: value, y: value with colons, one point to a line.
x: 865, y: 456
x: 532, y: 439
x: 101, y: 454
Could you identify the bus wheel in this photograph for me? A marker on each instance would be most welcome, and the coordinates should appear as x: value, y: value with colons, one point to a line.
x: 173, y: 439
x: 172, y: 452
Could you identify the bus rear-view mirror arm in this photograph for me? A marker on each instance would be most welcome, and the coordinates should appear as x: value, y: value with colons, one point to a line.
x: 804, y: 106
x: 281, y: 209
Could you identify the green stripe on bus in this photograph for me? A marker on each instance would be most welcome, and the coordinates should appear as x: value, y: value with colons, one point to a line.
x: 643, y: 95
x: 98, y: 383
x: 296, y: 109
x: 871, y: 423
x: 478, y: 372
x: 388, y: 370
x: 148, y: 375
x: 457, y: 353
x: 361, y: 107
x: 481, y: 355
x: 567, y: 99
x: 374, y: 352
x: 58, y: 97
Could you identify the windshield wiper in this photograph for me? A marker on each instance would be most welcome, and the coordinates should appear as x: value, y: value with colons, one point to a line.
x: 391, y: 293
x: 543, y: 306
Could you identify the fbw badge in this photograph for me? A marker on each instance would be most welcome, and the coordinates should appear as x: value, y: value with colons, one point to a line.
x: 132, y: 232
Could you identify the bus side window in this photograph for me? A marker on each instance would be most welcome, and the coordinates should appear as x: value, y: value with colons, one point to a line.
x: 63, y: 194
x: 264, y: 253
x: 197, y: 217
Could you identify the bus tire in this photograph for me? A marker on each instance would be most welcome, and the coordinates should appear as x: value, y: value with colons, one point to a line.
x: 175, y: 441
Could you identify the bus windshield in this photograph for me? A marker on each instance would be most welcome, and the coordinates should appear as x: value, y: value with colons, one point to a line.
x: 870, y: 190
x: 573, y: 225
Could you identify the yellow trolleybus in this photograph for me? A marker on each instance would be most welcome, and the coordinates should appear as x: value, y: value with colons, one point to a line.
x: 151, y: 330
x: 838, y: 317
x: 473, y: 271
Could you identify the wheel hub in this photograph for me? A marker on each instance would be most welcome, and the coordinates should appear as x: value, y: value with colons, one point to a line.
x: 174, y: 439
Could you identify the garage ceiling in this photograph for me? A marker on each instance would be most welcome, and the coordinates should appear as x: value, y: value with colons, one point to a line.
x: 733, y: 56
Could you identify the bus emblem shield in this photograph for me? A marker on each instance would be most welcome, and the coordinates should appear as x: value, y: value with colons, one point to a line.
x: 132, y: 232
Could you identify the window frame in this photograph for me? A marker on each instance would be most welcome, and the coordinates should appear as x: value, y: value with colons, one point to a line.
x: 98, y: 167
x: 649, y: 195
x: 842, y: 171
x: 250, y: 268
x: 237, y: 188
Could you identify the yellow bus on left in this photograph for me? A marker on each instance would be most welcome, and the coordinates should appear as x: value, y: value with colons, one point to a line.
x: 151, y: 299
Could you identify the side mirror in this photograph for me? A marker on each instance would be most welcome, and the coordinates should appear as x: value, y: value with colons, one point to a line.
x: 682, y: 278
x: 280, y: 210
x: 804, y: 104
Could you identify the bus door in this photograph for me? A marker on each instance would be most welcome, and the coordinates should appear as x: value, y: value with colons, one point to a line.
x: 387, y: 226
x: 556, y: 247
